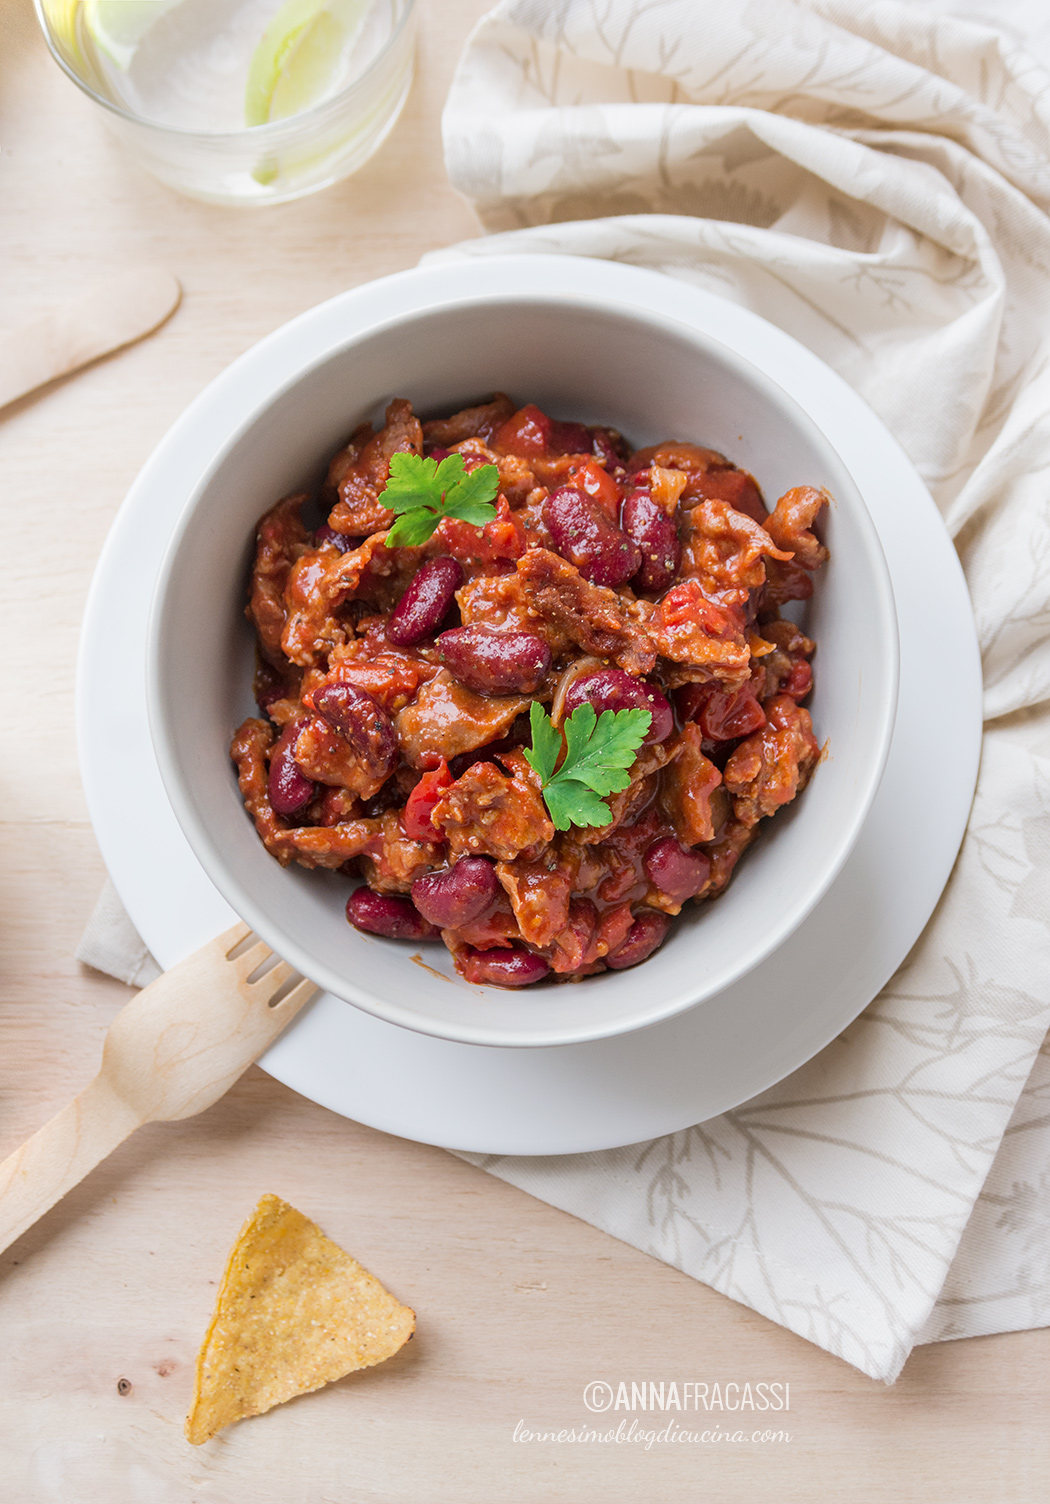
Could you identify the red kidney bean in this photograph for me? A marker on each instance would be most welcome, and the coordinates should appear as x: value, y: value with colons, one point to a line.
x: 436, y: 452
x: 503, y: 968
x: 457, y: 895
x: 356, y: 716
x: 388, y: 797
x: 492, y: 661
x: 690, y: 699
x: 269, y: 686
x: 647, y: 933
x: 675, y: 870
x: 612, y: 689
x: 738, y: 488
x: 570, y: 438
x: 387, y: 914
x: 799, y: 681
x: 344, y: 542
x: 584, y: 535
x: 289, y: 788
x: 656, y: 536
x: 474, y: 462
x: 608, y: 447
x: 722, y: 714
x: 421, y: 609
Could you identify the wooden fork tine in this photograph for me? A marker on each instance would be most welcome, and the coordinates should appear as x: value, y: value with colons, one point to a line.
x: 234, y: 936
x: 252, y: 958
x: 297, y: 997
x: 276, y: 977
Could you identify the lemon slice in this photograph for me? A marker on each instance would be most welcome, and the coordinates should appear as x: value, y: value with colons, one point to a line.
x: 61, y: 17
x: 118, y: 26
x: 299, y: 57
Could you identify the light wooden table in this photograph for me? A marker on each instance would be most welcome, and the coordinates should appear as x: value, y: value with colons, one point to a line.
x: 519, y: 1305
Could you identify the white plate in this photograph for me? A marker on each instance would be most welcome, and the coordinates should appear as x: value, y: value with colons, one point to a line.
x: 597, y: 1095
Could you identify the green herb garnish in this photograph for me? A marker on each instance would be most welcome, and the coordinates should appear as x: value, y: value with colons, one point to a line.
x: 599, y: 749
x: 422, y: 491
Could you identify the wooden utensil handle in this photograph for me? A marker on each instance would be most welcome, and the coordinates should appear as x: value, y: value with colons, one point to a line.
x: 106, y: 316
x: 59, y: 1155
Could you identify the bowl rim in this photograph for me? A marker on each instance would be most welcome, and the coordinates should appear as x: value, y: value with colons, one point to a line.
x: 334, y: 342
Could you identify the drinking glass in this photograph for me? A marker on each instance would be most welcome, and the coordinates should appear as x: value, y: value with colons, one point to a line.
x: 240, y: 101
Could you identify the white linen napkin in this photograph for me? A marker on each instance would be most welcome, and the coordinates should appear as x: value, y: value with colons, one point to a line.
x: 875, y: 180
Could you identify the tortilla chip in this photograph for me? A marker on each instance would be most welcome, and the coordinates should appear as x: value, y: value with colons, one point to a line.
x: 294, y: 1312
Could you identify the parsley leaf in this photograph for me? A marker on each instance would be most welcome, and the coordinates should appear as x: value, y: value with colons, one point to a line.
x: 546, y: 743
x: 412, y: 528
x: 572, y: 804
x: 599, y: 750
x: 421, y: 491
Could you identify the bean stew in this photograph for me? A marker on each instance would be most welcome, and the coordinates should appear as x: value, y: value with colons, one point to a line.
x: 395, y: 685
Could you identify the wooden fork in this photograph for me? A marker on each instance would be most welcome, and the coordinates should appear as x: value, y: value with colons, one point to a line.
x: 170, y: 1053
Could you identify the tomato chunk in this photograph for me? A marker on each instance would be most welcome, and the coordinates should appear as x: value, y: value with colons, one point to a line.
x: 527, y: 432
x: 595, y: 481
x: 419, y: 808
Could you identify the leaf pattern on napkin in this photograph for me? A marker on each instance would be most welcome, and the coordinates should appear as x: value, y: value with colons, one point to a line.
x: 875, y: 179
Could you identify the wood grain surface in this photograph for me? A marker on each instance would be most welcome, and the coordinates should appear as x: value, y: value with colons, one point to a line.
x: 104, y: 1302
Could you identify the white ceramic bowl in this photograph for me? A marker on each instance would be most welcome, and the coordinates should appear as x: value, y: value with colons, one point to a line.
x: 560, y: 332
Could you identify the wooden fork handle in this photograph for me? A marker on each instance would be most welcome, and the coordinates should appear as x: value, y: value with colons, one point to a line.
x: 59, y: 1155
x: 111, y: 314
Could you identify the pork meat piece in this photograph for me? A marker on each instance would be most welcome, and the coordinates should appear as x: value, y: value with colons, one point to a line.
x: 791, y: 521
x: 359, y: 510
x: 281, y: 541
x: 595, y: 618
x: 488, y: 813
x: 446, y: 719
x: 687, y: 786
x: 769, y: 767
